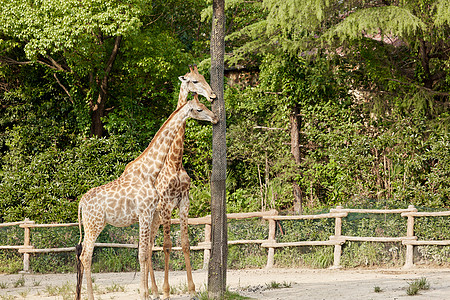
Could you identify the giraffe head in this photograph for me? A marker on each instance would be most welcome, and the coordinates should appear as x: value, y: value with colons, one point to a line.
x: 196, y: 83
x: 199, y: 111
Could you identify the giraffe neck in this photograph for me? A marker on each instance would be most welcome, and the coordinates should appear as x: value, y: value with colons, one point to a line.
x: 174, y: 158
x: 183, y: 95
x: 148, y: 165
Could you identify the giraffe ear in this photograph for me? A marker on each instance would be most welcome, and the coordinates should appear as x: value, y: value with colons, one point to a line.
x: 183, y: 79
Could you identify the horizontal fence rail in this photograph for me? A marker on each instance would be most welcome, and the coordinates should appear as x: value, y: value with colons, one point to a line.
x: 336, y: 240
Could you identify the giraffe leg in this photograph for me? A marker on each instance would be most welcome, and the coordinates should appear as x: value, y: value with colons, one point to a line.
x: 154, y: 229
x: 91, y: 235
x: 167, y: 246
x: 144, y: 244
x: 184, y: 210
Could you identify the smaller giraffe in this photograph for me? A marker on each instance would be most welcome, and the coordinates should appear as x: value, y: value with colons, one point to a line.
x: 132, y: 197
x: 173, y: 184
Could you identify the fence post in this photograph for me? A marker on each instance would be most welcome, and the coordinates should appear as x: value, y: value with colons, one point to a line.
x: 337, y: 235
x: 26, y: 244
x: 207, y: 251
x: 409, y: 259
x: 271, y: 239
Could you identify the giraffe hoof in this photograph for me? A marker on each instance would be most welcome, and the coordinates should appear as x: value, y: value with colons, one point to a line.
x: 194, y: 297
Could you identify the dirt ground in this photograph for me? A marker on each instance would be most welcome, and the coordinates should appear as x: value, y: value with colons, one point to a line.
x: 302, y: 284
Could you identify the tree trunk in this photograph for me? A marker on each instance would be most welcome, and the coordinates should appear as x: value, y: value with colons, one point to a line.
x: 295, y: 150
x: 217, y: 269
x: 98, y: 112
x: 98, y: 107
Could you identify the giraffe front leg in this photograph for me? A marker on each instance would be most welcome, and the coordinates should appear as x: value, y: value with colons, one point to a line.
x: 144, y: 239
x: 91, y: 233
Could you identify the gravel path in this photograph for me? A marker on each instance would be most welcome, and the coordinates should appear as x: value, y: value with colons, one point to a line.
x: 308, y: 284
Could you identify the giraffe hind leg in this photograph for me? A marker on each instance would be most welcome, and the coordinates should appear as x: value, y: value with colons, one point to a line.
x: 154, y: 229
x: 167, y: 249
x: 184, y: 210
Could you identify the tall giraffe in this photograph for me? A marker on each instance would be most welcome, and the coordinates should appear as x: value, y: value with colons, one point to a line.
x: 132, y: 197
x: 173, y: 185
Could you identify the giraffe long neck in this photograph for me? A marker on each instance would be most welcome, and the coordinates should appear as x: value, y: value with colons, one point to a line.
x: 174, y: 158
x: 183, y: 95
x: 148, y: 165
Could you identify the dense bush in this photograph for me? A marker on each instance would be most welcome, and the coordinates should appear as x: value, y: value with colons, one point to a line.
x: 46, y: 186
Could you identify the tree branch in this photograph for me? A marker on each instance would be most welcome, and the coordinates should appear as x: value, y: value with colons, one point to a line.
x: 153, y: 21
x: 267, y: 128
x: 47, y: 65
x: 10, y: 61
x: 113, y: 55
x: 58, y: 66
x: 420, y: 87
x: 63, y: 87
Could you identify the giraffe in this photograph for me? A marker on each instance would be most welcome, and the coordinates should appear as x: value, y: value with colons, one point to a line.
x: 173, y: 185
x: 132, y: 197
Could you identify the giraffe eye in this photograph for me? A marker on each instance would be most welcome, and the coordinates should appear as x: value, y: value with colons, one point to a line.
x: 194, y: 81
x: 199, y: 110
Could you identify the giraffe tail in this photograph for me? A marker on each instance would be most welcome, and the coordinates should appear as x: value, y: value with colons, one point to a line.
x: 78, y: 250
x: 79, y: 222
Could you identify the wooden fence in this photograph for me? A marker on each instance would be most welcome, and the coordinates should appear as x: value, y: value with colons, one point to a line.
x: 336, y: 240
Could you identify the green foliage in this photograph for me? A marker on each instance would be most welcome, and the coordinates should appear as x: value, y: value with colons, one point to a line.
x: 377, y: 289
x: 246, y: 256
x: 276, y: 285
x: 442, y: 13
x: 417, y: 285
x: 321, y: 258
x: 370, y: 83
x: 52, y: 26
x: 19, y: 282
x: 258, y: 146
x: 349, y: 152
x: 10, y: 263
x: 398, y: 21
x: 355, y: 254
x: 65, y: 291
x: 107, y: 259
x: 44, y: 187
x: 228, y: 295
x: 251, y: 255
x: 198, y: 151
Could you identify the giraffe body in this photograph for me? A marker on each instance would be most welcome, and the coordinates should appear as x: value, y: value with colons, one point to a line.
x: 173, y: 184
x: 132, y: 197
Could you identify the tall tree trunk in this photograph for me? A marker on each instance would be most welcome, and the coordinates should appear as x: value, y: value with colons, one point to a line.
x: 98, y: 111
x: 295, y: 150
x: 98, y: 106
x: 217, y: 269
